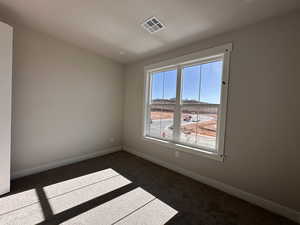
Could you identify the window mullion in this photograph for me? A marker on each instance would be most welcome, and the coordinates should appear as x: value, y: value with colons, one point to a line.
x: 177, y: 115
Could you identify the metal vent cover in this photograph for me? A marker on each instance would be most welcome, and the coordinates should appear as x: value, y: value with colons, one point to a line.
x: 153, y: 25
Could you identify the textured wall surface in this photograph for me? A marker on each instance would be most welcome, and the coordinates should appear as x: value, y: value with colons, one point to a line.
x: 67, y: 101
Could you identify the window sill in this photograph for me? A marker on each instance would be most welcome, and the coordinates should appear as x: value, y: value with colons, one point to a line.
x: 187, y: 149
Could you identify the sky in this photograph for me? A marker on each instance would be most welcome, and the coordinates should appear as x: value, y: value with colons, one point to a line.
x: 200, y: 82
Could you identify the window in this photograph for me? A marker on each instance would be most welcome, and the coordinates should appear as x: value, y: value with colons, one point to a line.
x: 185, y: 102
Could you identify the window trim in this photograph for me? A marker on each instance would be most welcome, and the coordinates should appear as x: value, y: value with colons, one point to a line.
x: 203, y: 56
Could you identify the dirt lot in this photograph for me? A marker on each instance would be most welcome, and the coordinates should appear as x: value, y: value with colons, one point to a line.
x: 207, y: 128
x: 161, y: 115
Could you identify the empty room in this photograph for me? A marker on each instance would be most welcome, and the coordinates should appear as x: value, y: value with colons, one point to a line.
x: 155, y: 112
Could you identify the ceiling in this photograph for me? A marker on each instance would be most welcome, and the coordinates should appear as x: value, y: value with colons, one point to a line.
x: 112, y: 28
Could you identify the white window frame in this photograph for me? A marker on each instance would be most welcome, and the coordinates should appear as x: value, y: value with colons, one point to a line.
x: 220, y: 52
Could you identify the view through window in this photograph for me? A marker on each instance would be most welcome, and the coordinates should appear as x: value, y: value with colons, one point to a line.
x: 184, y: 103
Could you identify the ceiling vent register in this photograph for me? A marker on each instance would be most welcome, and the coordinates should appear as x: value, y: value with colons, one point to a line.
x: 153, y: 25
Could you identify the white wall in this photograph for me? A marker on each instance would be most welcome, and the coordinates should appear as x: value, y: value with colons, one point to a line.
x: 67, y: 102
x: 262, y: 133
x: 5, y: 105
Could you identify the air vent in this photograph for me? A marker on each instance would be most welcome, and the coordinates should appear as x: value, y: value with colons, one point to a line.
x: 153, y: 25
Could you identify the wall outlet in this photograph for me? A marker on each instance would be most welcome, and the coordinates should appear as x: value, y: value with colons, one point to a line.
x: 177, y: 154
x: 111, y: 140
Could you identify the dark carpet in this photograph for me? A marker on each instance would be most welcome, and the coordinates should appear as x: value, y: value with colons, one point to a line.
x: 196, y: 203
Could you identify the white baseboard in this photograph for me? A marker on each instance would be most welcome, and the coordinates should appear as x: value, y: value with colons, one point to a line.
x: 254, y: 199
x: 64, y: 162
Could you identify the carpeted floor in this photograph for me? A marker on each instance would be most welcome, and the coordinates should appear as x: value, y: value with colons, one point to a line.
x: 120, y: 188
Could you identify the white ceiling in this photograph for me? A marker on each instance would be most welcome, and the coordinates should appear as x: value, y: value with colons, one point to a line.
x: 113, y: 27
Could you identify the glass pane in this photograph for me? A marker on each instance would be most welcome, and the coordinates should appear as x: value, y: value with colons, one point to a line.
x: 157, y: 86
x: 199, y: 125
x: 211, y: 81
x: 164, y: 87
x: 202, y: 83
x: 202, y: 87
x: 161, y: 121
x: 191, y: 84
